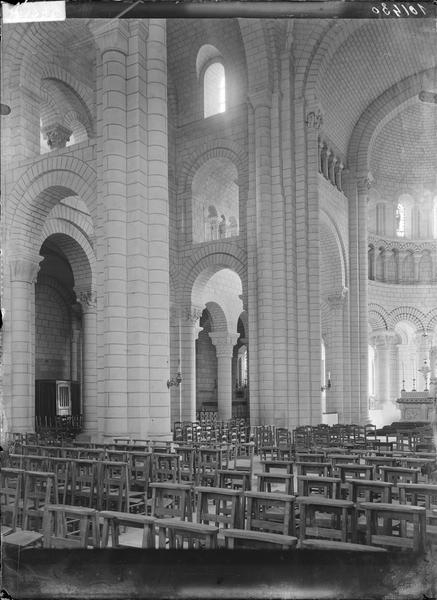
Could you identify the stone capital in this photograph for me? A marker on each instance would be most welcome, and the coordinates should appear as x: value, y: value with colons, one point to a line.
x: 314, y: 120
x: 193, y: 314
x: 57, y: 135
x: 111, y: 35
x: 384, y: 337
x: 24, y: 269
x: 88, y: 300
x: 224, y: 342
x: 261, y: 98
x: 338, y: 300
x: 365, y: 182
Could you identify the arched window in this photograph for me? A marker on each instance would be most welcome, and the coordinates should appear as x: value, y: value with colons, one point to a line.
x: 214, y: 90
x: 400, y: 220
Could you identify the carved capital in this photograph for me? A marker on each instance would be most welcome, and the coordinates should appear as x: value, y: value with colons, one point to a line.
x: 365, y: 182
x: 88, y: 300
x: 224, y: 342
x: 193, y: 314
x: 384, y: 337
x: 314, y: 119
x: 57, y: 135
x: 111, y: 35
x: 338, y: 300
x: 260, y: 99
x: 24, y: 269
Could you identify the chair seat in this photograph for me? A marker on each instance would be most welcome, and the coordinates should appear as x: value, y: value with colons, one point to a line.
x: 6, y: 530
x: 22, y: 539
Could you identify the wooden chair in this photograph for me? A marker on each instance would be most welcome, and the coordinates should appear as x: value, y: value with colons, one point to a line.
x: 40, y: 489
x: 326, y: 486
x: 35, y: 462
x: 283, y: 466
x: 334, y: 459
x: 72, y: 453
x: 209, y: 462
x: 422, y: 494
x: 354, y: 471
x: 176, y: 534
x: 70, y: 527
x: 22, y: 539
x: 371, y: 490
x: 15, y: 461
x: 310, y: 456
x: 171, y: 500
x: 11, y: 482
x: 61, y: 467
x: 397, y: 475
x: 341, y: 525
x: 241, y: 538
x: 113, y: 492
x: 85, y: 482
x: 269, y: 481
x: 165, y: 467
x: 270, y: 512
x: 323, y: 469
x: 237, y: 480
x: 112, y: 520
x: 187, y: 463
x: 32, y: 450
x: 226, y: 506
x: 395, y: 537
x: 381, y: 461
x: 140, y: 476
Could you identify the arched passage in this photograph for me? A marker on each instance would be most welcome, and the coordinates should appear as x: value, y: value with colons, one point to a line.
x: 207, y: 332
x: 65, y: 334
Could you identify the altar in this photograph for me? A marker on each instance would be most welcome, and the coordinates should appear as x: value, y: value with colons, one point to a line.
x: 417, y: 406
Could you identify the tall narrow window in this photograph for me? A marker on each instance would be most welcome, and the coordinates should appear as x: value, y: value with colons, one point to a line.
x: 400, y: 220
x: 435, y: 218
x: 214, y: 90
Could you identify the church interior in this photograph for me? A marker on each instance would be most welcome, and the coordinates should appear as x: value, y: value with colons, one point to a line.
x: 219, y: 286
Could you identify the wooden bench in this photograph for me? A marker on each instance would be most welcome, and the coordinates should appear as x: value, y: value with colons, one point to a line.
x: 195, y: 535
x: 390, y: 538
x: 237, y: 538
